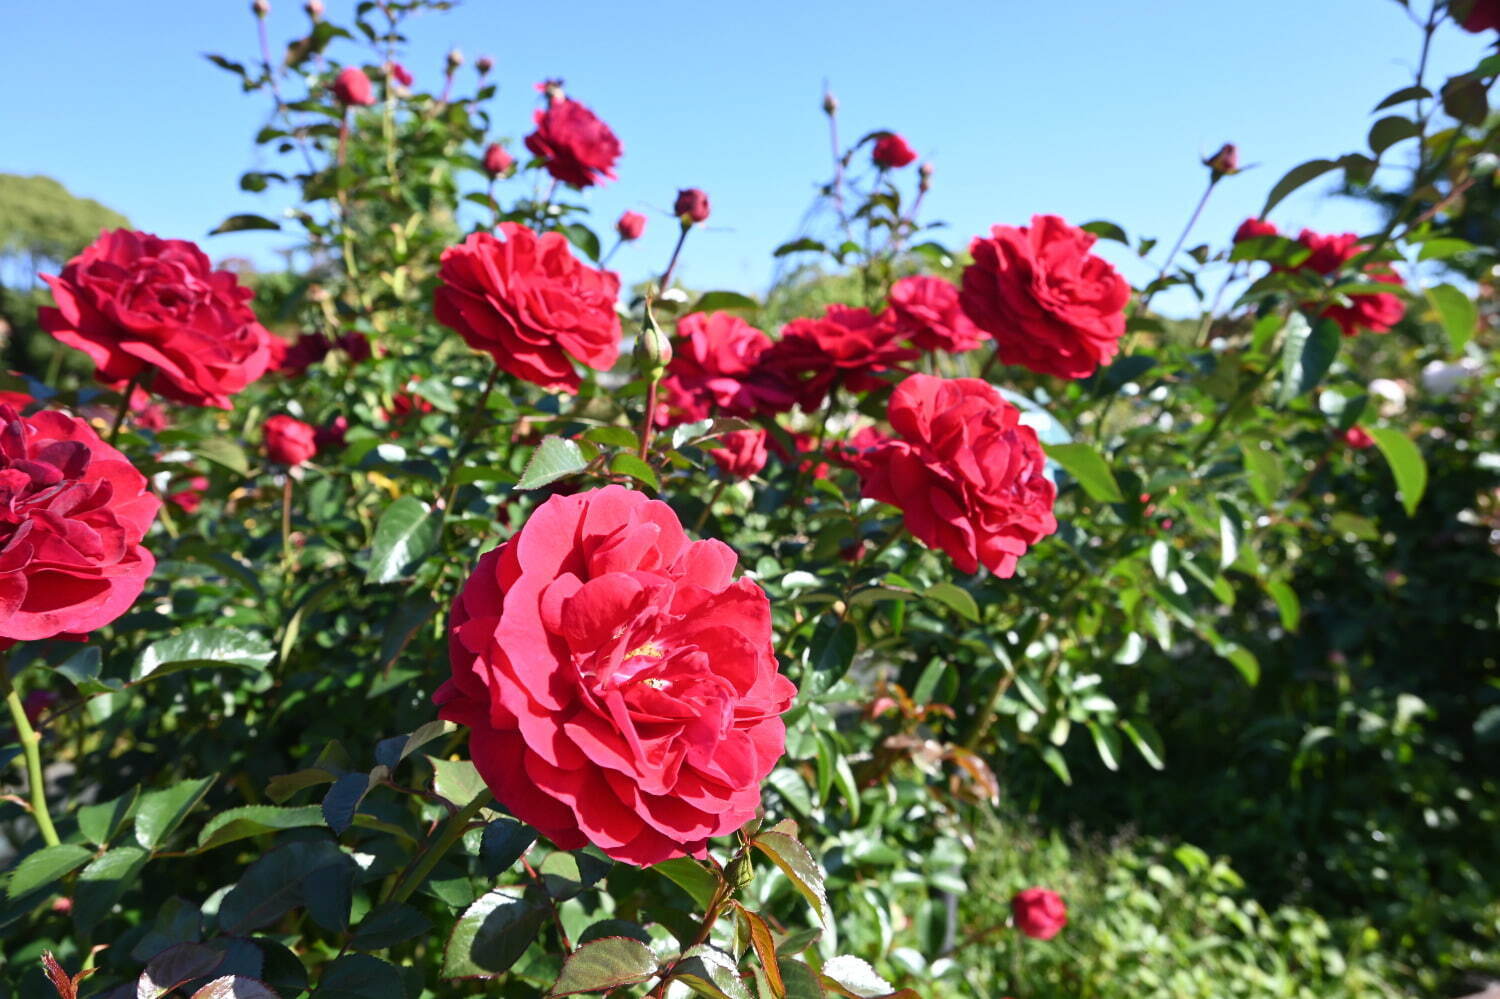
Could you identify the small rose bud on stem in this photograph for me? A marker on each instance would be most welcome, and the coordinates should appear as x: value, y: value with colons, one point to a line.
x: 653, y: 352
x: 261, y: 7
x: 1224, y: 162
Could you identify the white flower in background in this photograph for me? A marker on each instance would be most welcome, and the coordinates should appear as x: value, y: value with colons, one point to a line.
x: 1390, y: 394
x: 1442, y: 377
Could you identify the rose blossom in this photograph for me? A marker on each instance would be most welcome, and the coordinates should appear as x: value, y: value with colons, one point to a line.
x: 1039, y: 913
x: 846, y: 347
x: 1376, y: 312
x: 891, y: 151
x: 74, y: 513
x: 967, y: 474
x: 739, y: 453
x: 309, y: 349
x: 927, y: 307
x: 691, y: 205
x: 620, y: 685
x: 1255, y: 229
x: 190, y: 498
x: 356, y: 345
x: 289, y: 441
x: 352, y: 87
x: 576, y: 146
x: 715, y: 367
x: 1358, y: 438
x: 1051, y: 306
x: 497, y: 160
x: 529, y: 303
x: 401, y: 74
x: 156, y: 308
x: 631, y: 225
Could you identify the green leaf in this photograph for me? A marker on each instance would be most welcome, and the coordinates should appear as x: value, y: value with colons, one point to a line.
x: 1107, y: 742
x: 800, y: 980
x: 1287, y: 604
x: 491, y: 935
x: 103, y: 882
x: 162, y: 811
x: 341, y: 803
x: 621, y: 437
x: 255, y: 820
x: 853, y: 976
x: 728, y: 300
x: 389, y: 925
x: 1444, y: 247
x: 176, y: 966
x: 1054, y: 759
x: 1456, y: 311
x: 1085, y: 465
x: 955, y: 598
x: 629, y: 464
x: 1390, y: 130
x: 360, y: 976
x: 236, y: 987
x: 1406, y: 463
x: 1105, y: 229
x: 1231, y: 533
x: 803, y: 245
x: 1243, y: 660
x: 1295, y: 178
x: 712, y: 973
x: 390, y: 752
x: 1147, y: 742
x: 584, y: 238
x: 407, y: 531
x: 603, y: 965
x: 691, y: 876
x: 243, y: 223
x: 553, y: 459
x: 794, y: 859
x: 1402, y: 96
x: 223, y: 452
x: 1263, y: 470
x: 565, y: 874
x: 1306, y: 355
x: 503, y: 843
x: 456, y: 780
x: 100, y: 822
x: 273, y: 885
x: 198, y: 647
x: 46, y: 866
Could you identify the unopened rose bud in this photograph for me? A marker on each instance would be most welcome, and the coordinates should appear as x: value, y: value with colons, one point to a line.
x: 497, y: 160
x: 830, y: 104
x: 455, y: 59
x: 740, y: 872
x: 691, y: 205
x: 261, y: 7
x: 631, y: 225
x: 1224, y: 162
x: 314, y: 9
x: 924, y: 177
x: 653, y: 348
x: 484, y: 64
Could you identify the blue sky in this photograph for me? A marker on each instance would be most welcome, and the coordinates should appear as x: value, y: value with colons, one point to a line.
x: 1090, y: 109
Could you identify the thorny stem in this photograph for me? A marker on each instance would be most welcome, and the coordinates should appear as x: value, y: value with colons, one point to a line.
x: 648, y: 424
x: 562, y: 934
x: 424, y: 862
x: 30, y: 748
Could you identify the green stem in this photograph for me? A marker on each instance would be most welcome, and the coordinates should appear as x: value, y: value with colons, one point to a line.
x: 453, y: 831
x: 31, y: 742
x: 648, y: 425
x: 114, y: 429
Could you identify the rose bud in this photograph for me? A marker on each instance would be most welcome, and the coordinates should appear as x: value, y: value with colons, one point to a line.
x: 261, y: 7
x: 1225, y: 161
x: 289, y: 441
x: 352, y: 87
x: 653, y: 348
x: 1039, y: 913
x: 401, y: 74
x: 924, y: 175
x: 1358, y: 438
x: 455, y: 59
x: 691, y: 205
x: 631, y: 225
x: 830, y: 104
x: 496, y: 160
x: 314, y: 9
x: 891, y: 151
x: 484, y: 64
x: 38, y: 703
x: 1254, y: 229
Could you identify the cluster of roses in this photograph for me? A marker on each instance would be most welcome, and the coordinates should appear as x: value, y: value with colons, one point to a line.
x: 1327, y: 255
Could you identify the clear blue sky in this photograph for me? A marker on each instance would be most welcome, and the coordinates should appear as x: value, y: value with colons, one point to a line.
x: 1090, y: 109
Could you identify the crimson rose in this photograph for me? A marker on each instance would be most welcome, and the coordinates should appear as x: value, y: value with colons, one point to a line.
x: 352, y: 86
x: 73, y: 511
x: 1039, y: 913
x: 631, y: 225
x: 1254, y: 229
x: 576, y: 146
x: 691, y: 205
x: 497, y: 160
x: 619, y: 683
x: 739, y: 453
x: 847, y: 347
x: 715, y: 368
x: 1376, y: 312
x: 966, y: 473
x: 927, y: 307
x: 143, y: 306
x: 528, y: 302
x: 1051, y: 305
x: 289, y: 441
x: 892, y: 151
x: 1478, y: 15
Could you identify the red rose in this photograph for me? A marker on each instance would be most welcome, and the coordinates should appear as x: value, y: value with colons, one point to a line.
x: 404, y: 403
x: 1376, y: 312
x: 739, y: 453
x: 576, y: 147
x: 806, y: 459
x: 967, y: 475
x: 139, y: 305
x: 847, y: 347
x: 891, y: 151
x: 356, y: 345
x: 928, y: 309
x: 528, y: 302
x: 691, y: 205
x: 1039, y: 913
x: 715, y: 367
x: 1254, y: 229
x: 1358, y: 438
x: 146, y: 414
x: 497, y: 160
x: 1051, y: 305
x: 1480, y: 15
x: 289, y: 441
x: 309, y: 349
x: 330, y: 436
x: 619, y: 683
x: 75, y: 511
x: 353, y: 87
x: 401, y: 74
x: 631, y: 225
x: 188, y: 500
